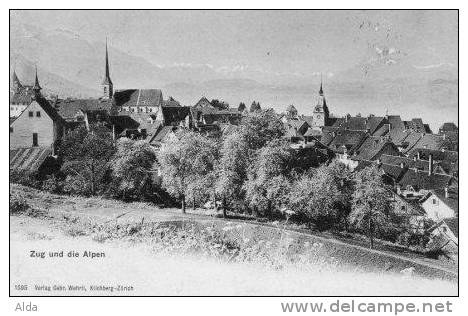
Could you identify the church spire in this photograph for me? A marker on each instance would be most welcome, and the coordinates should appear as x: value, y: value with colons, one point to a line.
x: 15, y: 82
x: 321, y: 88
x: 107, y: 79
x: 37, y: 88
x: 107, y: 86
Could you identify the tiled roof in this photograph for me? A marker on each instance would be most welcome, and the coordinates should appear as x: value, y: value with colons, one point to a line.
x: 411, y: 140
x: 308, y: 118
x: 416, y: 125
x: 335, y: 121
x: 203, y: 102
x: 28, y: 159
x: 395, y: 122
x: 422, y: 180
x: 371, y: 147
x: 355, y: 124
x: 313, y: 132
x: 23, y: 95
x: 70, y: 107
x: 432, y: 141
x: 437, y: 155
x: 138, y: 97
x: 448, y: 127
x: 50, y: 110
x: 296, y: 124
x: 453, y: 224
x: 373, y: 123
x: 395, y: 172
x: 382, y: 130
x: 407, y: 162
x: 171, y: 102
x: 327, y: 137
x: 348, y: 138
x: 451, y: 136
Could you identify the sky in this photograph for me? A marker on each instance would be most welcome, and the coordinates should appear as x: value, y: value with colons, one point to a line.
x: 302, y: 42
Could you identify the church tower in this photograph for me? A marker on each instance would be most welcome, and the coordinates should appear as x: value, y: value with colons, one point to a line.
x: 107, y: 86
x: 37, y: 88
x: 320, y: 114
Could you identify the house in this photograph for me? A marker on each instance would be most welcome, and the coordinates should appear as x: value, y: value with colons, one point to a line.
x: 39, y: 125
x: 291, y: 111
x: 441, y: 203
x: 444, y: 237
x: 205, y: 116
x: 20, y: 95
x: 412, y: 215
x: 141, y: 100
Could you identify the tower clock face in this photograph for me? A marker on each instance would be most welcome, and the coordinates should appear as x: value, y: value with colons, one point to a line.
x: 318, y: 116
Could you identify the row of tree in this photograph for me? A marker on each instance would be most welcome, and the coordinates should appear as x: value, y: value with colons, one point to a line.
x: 253, y: 170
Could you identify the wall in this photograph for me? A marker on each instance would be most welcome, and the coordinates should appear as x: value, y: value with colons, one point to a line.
x: 438, y: 210
x: 24, y: 127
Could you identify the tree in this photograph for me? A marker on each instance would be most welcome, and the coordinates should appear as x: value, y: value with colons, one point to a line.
x: 255, y: 106
x: 371, y: 202
x: 232, y: 168
x: 185, y: 158
x: 241, y: 107
x: 220, y: 105
x: 85, y: 158
x: 132, y: 168
x: 261, y: 127
x: 267, y: 184
x: 315, y: 196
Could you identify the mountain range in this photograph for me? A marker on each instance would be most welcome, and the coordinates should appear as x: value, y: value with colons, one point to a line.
x: 69, y: 65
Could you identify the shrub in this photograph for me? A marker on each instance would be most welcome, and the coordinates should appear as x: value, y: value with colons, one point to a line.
x: 52, y: 184
x: 18, y: 205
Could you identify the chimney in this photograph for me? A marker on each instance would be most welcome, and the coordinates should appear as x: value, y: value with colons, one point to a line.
x: 447, y: 195
x: 430, y: 164
x: 444, y: 136
x: 414, y: 158
x: 402, y: 165
x: 419, y: 155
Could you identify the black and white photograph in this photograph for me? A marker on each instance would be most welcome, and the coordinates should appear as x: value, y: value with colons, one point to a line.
x: 233, y: 153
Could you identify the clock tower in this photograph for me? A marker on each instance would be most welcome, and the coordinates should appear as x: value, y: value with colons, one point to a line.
x: 320, y: 114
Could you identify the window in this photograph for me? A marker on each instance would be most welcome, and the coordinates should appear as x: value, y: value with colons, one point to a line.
x: 434, y: 201
x: 38, y: 114
x: 403, y: 208
x: 35, y: 141
x: 11, y: 129
x: 31, y: 113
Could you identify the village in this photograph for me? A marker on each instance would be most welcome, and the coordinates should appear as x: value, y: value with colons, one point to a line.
x: 418, y: 166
